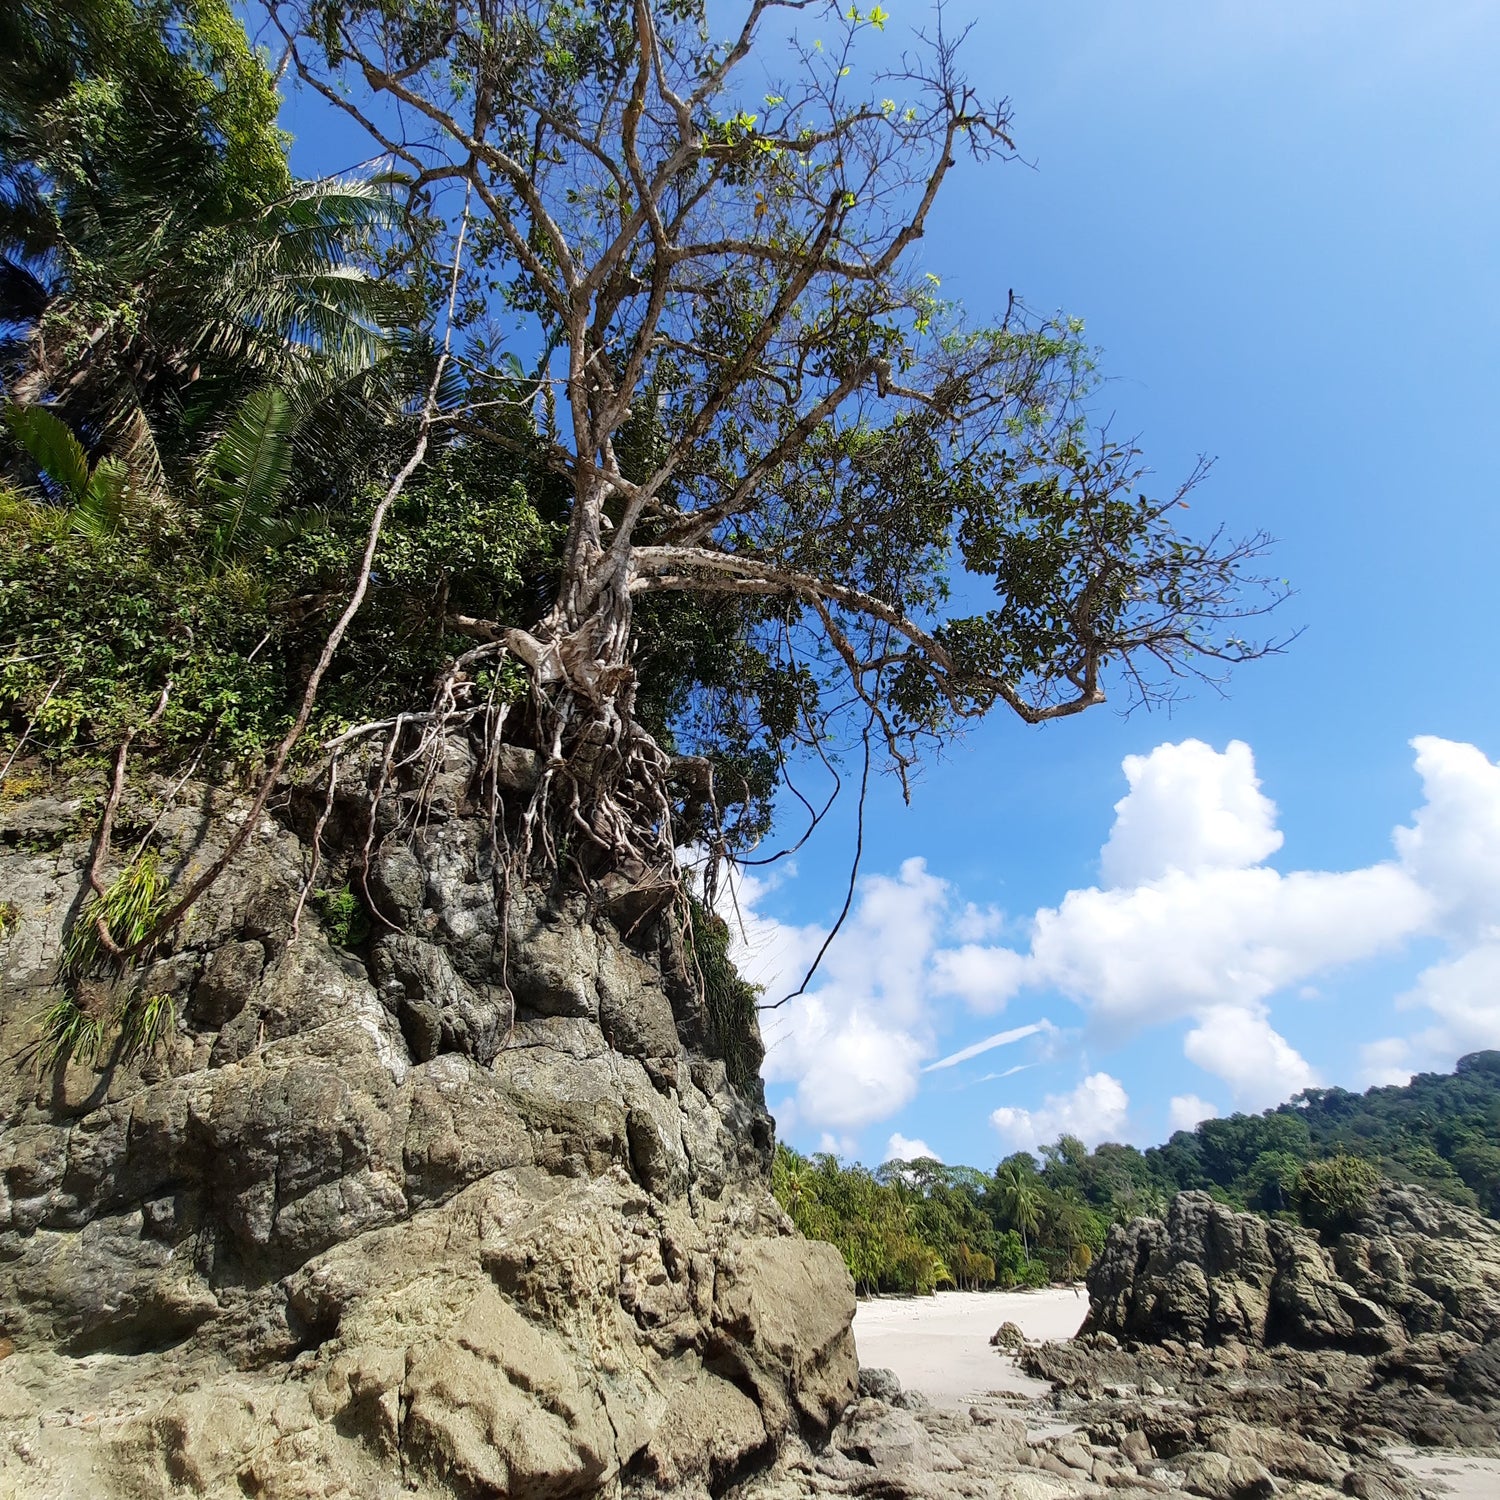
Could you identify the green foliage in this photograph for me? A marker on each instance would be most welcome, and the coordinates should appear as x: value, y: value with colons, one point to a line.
x: 1331, y: 1193
x: 144, y: 1023
x: 875, y: 1226
x: 1439, y: 1131
x: 247, y: 471
x: 345, y: 919
x: 910, y: 1227
x: 1029, y: 1222
x: 127, y: 910
x: 1271, y: 1183
x: 99, y: 620
x: 72, y: 1033
x: 68, y: 1032
x: 158, y: 256
x: 729, y: 999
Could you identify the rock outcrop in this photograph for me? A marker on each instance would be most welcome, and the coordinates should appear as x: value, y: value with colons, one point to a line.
x: 1412, y: 1266
x: 1216, y: 1327
x: 1225, y: 1358
x: 891, y: 1445
x: 467, y: 1206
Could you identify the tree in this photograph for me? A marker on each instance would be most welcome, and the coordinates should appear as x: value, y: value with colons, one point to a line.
x: 1020, y: 1200
x: 158, y: 265
x: 753, y: 393
x: 1272, y: 1181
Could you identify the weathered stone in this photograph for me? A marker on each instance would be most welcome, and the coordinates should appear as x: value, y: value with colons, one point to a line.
x: 709, y: 1428
x: 457, y: 1214
x: 1008, y: 1336
x: 882, y: 1385
x: 435, y: 1008
x: 499, y: 1408
x: 886, y: 1438
x: 227, y: 981
x: 783, y: 1310
x: 1212, y: 1276
x: 554, y: 959
x: 1380, y: 1484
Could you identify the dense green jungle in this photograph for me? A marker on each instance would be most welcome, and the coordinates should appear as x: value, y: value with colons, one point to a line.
x: 915, y: 1226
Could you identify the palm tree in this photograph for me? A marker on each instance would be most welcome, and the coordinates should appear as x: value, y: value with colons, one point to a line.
x: 1019, y: 1201
x: 158, y: 266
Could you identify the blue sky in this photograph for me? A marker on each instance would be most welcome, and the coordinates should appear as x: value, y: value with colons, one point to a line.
x: 1280, y: 222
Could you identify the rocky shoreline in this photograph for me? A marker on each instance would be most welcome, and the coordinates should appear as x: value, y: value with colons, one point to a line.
x: 1225, y: 1358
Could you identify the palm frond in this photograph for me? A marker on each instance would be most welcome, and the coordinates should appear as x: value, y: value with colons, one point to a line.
x: 101, y: 510
x: 128, y: 433
x: 247, y: 471
x: 53, y: 447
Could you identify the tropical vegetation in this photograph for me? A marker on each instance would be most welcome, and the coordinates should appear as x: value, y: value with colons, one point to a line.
x: 916, y: 1226
x: 606, y: 416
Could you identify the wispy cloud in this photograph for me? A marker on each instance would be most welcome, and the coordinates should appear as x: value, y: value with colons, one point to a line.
x: 1000, y: 1039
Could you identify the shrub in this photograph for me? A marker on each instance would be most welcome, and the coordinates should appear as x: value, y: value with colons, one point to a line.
x: 1332, y: 1193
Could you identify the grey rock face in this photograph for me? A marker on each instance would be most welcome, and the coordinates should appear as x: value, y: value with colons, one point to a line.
x: 1209, y: 1275
x: 1276, y: 1360
x: 467, y: 1211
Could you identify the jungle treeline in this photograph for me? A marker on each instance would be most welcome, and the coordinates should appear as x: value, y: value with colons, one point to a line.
x: 913, y: 1227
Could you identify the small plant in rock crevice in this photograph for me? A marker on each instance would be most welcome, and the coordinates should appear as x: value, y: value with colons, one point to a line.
x: 72, y: 1031
x: 345, y: 919
x: 75, y: 1028
x: 126, y: 909
x: 68, y: 1032
x: 729, y: 999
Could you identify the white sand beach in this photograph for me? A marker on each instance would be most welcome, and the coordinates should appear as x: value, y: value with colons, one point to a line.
x: 1441, y: 1471
x: 941, y: 1345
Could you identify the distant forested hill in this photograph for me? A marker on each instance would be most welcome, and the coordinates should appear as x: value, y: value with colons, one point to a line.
x: 1441, y: 1130
x: 913, y: 1226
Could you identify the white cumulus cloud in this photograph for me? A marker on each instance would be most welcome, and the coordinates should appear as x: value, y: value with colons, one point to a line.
x: 1189, y: 927
x: 983, y: 978
x: 1189, y: 809
x: 1097, y: 1110
x: 1453, y: 845
x: 1238, y: 1044
x: 976, y: 923
x: 852, y: 1048
x: 1191, y: 924
x: 1187, y: 1110
x: 898, y: 1148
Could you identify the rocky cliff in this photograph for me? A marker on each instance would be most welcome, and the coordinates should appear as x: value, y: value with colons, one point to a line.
x: 467, y: 1204
x: 1218, y: 1333
x: 1411, y: 1266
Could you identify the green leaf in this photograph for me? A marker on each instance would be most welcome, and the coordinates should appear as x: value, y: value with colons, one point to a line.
x: 100, y: 511
x: 248, y: 470
x: 52, y: 446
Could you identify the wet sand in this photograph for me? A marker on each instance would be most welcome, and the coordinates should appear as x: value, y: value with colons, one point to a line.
x: 941, y: 1345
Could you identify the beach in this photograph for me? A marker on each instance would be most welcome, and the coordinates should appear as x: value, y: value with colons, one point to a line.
x: 1443, y: 1471
x: 940, y: 1345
